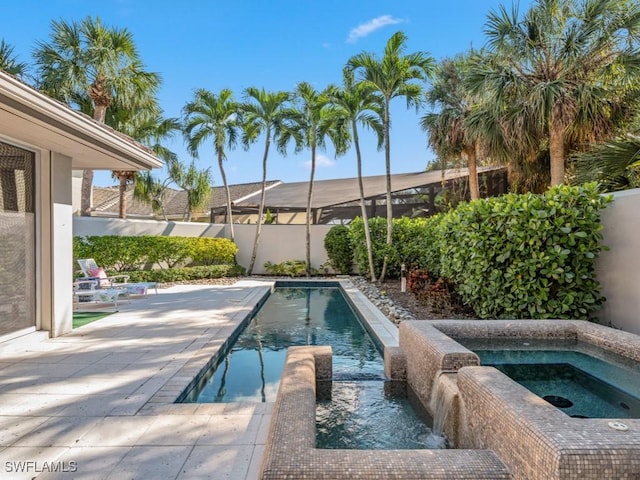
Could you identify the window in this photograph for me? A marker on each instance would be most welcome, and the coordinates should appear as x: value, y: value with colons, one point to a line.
x: 17, y: 239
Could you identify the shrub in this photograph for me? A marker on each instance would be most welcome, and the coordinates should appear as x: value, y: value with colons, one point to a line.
x: 168, y: 251
x: 186, y: 273
x: 526, y: 256
x: 438, y: 293
x: 125, y: 254
x: 289, y: 268
x: 418, y: 280
x: 378, y: 229
x: 212, y: 251
x: 414, y: 244
x: 339, y: 249
x: 114, y: 252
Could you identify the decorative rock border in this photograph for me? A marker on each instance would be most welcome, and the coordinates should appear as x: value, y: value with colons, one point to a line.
x: 394, y: 312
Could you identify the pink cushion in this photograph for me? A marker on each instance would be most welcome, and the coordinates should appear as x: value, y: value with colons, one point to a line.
x: 94, y: 272
x: 100, y: 273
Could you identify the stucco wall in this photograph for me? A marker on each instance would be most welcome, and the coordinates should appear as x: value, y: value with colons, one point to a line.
x: 618, y: 269
x: 61, y: 235
x: 277, y: 242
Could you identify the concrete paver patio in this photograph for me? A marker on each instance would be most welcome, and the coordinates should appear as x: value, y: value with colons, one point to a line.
x: 86, y: 404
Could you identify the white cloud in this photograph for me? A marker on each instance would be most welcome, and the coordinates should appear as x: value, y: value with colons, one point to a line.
x: 371, y: 26
x: 321, y: 162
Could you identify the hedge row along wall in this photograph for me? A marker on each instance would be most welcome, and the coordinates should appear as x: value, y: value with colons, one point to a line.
x: 126, y: 254
x: 515, y: 256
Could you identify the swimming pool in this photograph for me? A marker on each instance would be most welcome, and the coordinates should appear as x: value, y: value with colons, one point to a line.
x: 251, y: 368
x: 358, y: 408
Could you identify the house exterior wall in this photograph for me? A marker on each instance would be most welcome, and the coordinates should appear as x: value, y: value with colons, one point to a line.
x: 19, y: 214
x: 618, y: 269
x: 53, y: 240
x: 60, y: 247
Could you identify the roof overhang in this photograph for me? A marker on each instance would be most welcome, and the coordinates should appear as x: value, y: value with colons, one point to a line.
x: 29, y: 116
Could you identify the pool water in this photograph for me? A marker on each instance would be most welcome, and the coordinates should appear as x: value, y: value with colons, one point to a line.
x: 373, y: 415
x: 581, y: 380
x: 574, y: 391
x: 358, y: 409
x: 251, y: 369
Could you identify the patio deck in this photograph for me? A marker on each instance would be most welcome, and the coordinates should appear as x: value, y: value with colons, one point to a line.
x: 86, y: 404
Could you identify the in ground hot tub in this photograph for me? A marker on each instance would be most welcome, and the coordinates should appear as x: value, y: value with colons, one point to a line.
x: 581, y: 379
x: 547, y: 411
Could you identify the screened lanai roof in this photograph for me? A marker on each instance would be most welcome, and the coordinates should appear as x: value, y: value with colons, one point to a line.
x: 327, y: 193
x: 337, y: 201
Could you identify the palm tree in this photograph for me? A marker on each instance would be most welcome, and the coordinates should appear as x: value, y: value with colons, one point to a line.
x: 196, y: 183
x: 309, y: 122
x: 149, y: 189
x: 614, y: 164
x: 88, y: 60
x: 218, y: 117
x: 148, y: 127
x: 562, y: 75
x: 448, y: 129
x: 9, y: 61
x: 394, y: 75
x: 357, y: 103
x: 262, y: 114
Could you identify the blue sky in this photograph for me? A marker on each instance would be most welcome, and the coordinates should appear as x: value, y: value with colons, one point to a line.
x: 274, y: 44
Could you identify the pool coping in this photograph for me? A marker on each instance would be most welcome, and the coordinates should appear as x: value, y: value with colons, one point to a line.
x: 290, y: 450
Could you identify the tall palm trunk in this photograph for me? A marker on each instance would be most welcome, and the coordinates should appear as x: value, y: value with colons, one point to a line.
x: 99, y: 115
x: 363, y: 207
x: 254, y: 253
x: 122, y: 191
x: 309, y: 196
x: 85, y: 193
x: 387, y: 163
x: 556, y: 153
x: 228, y: 194
x: 472, y: 165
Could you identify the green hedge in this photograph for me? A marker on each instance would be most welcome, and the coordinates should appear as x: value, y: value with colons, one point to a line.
x: 113, y: 252
x: 126, y: 254
x: 515, y: 256
x: 526, y: 256
x: 212, y: 251
x: 186, y: 273
x: 378, y: 229
x: 339, y: 249
x: 289, y: 268
x: 412, y: 242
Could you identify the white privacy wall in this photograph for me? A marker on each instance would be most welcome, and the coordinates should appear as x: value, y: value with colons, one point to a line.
x: 618, y: 270
x: 278, y: 243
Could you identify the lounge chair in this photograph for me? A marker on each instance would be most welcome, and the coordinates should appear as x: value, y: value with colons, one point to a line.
x: 92, y: 271
x: 89, y: 292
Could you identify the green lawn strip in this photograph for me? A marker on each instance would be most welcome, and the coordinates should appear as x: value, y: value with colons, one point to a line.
x: 83, y: 318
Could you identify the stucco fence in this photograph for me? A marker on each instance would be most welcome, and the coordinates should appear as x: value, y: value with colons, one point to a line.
x: 278, y: 243
x: 618, y: 269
